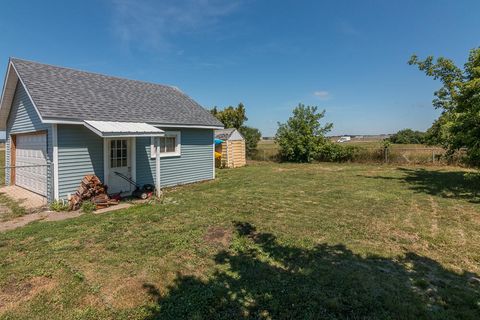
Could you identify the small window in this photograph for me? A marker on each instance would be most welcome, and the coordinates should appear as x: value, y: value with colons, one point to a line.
x: 118, y: 153
x: 169, y: 144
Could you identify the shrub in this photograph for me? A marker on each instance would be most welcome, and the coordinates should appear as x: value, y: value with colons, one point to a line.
x: 302, y: 135
x: 59, y: 205
x: 408, y: 136
x: 87, y: 206
x: 252, y: 136
x: 333, y: 152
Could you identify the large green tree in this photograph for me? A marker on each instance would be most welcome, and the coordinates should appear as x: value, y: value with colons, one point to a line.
x: 252, y: 137
x: 235, y: 117
x: 302, y: 136
x: 231, y: 117
x: 459, y: 98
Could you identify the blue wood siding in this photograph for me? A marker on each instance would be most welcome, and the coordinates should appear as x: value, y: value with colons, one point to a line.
x: 80, y: 152
x: 194, y: 164
x: 23, y: 118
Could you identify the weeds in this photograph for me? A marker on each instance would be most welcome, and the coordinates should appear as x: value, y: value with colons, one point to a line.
x: 14, y: 208
x: 87, y: 206
x: 59, y: 205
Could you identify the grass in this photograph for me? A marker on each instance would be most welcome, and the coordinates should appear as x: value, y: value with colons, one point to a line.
x: 266, y: 241
x: 10, y: 209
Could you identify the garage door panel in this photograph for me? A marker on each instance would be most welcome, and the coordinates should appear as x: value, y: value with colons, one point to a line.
x: 31, y: 160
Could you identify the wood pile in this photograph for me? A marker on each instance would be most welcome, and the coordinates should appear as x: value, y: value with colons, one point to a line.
x: 91, y: 189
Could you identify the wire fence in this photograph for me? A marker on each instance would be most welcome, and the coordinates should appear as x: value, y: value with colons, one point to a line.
x: 396, y: 155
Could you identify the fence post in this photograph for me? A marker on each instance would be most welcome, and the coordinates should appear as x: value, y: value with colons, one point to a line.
x: 264, y: 159
x: 386, y: 154
x: 433, y: 155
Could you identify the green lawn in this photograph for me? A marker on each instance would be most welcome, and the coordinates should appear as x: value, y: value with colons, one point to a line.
x: 268, y: 241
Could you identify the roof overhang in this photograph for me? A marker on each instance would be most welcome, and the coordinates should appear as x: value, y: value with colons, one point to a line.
x: 114, y: 129
x: 163, y: 125
x: 8, y: 92
x: 12, y: 77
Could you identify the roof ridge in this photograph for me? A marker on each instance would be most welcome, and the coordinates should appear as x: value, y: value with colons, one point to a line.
x: 97, y: 73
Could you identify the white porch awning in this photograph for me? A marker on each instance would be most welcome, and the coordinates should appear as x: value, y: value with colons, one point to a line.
x: 113, y: 129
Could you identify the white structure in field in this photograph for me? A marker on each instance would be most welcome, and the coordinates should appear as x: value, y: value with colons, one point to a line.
x: 344, y: 139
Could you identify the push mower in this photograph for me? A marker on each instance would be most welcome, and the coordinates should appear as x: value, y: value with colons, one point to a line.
x: 144, y: 192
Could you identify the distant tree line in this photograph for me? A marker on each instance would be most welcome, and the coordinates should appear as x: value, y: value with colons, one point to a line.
x: 408, y: 136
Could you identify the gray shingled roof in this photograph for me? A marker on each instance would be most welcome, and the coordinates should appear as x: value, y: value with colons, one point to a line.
x: 67, y: 94
x: 224, y: 134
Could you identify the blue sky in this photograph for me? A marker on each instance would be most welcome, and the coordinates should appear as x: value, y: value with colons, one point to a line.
x: 348, y: 57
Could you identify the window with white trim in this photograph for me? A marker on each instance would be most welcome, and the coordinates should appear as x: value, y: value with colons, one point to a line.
x: 118, y: 153
x: 170, y: 144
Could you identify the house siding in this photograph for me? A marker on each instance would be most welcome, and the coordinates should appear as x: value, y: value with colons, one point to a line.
x: 23, y: 118
x: 80, y: 152
x: 196, y: 162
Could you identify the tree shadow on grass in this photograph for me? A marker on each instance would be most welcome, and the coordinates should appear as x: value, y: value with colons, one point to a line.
x: 259, y: 278
x: 447, y: 184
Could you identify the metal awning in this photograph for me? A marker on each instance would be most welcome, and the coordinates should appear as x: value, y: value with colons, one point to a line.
x: 114, y: 129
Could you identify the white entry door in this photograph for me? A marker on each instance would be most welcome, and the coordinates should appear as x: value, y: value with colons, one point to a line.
x: 31, y: 161
x: 119, y: 161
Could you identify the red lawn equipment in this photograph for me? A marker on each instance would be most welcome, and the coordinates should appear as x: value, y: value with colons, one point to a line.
x: 145, y: 192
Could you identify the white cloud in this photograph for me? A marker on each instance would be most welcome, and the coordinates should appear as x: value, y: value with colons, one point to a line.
x: 322, y: 94
x: 153, y: 24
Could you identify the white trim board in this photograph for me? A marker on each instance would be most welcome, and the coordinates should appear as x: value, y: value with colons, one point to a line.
x: 56, y: 191
x: 28, y: 93
x: 213, y: 151
x: 178, y: 146
x: 133, y: 164
x: 192, y: 126
x: 4, y: 88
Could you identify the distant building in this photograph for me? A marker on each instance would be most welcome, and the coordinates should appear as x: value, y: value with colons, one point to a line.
x: 344, y: 139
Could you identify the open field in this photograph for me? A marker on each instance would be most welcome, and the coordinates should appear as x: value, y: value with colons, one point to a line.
x: 371, y: 151
x: 265, y: 241
x: 270, y: 144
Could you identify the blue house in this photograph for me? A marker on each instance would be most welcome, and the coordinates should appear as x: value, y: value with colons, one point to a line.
x: 62, y: 124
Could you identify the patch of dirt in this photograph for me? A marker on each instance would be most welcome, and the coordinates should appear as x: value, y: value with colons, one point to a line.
x: 15, y: 292
x: 218, y: 236
x: 434, y: 206
x: 129, y: 294
x: 463, y: 240
x: 117, y: 291
x: 330, y: 169
x: 4, y: 211
x: 414, y: 211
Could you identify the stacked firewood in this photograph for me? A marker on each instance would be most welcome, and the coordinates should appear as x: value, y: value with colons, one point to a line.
x: 91, y: 189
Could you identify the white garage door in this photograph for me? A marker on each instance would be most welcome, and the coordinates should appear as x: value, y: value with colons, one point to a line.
x: 31, y: 151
